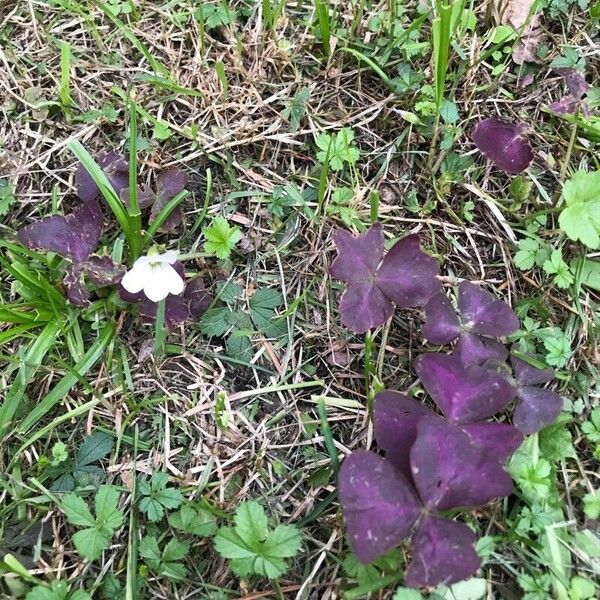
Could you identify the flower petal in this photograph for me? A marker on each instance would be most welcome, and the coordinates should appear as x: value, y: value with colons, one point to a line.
x: 163, y: 280
x: 136, y: 278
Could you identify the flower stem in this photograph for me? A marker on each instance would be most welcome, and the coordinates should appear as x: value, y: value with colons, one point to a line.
x: 160, y: 331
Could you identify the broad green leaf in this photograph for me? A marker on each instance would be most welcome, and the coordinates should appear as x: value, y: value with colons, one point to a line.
x: 591, y: 505
x: 106, y: 506
x: 580, y: 219
x: 221, y: 238
x: 214, y: 321
x: 175, y: 550
x: 94, y: 447
x: 229, y: 544
x: 266, y: 298
x: 149, y: 550
x: 197, y: 522
x: 283, y: 542
x: 251, y: 522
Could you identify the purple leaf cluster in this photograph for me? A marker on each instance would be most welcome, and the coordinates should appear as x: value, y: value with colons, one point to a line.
x: 435, y: 463
x: 75, y: 236
x: 503, y: 143
x: 169, y: 183
x: 194, y: 302
x: 577, y: 88
x: 405, y: 277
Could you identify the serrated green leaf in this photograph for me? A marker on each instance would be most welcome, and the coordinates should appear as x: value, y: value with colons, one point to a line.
x: 77, y: 511
x: 221, y: 238
x: 580, y: 219
x: 152, y: 508
x: 175, y: 550
x: 149, y: 550
x: 266, y: 298
x: 197, y: 522
x: 95, y: 446
x: 106, y: 506
x: 229, y: 544
x: 591, y: 506
x: 91, y: 542
x: 251, y: 522
x: 214, y: 321
x: 283, y: 542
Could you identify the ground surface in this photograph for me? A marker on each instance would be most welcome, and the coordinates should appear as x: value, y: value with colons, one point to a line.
x: 249, y: 101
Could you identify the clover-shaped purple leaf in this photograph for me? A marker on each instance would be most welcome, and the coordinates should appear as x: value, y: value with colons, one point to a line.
x: 443, y: 553
x: 406, y: 277
x: 170, y: 182
x: 103, y: 270
x: 442, y: 324
x: 73, y: 236
x: 379, y: 504
x: 115, y: 168
x: 483, y: 313
x: 499, y: 439
x: 477, y: 350
x: 395, y: 419
x: 464, y: 393
x: 450, y: 471
x: 578, y: 88
x: 536, y: 407
x: 503, y: 143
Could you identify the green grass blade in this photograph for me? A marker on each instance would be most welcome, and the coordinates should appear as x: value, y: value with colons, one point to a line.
x: 135, y: 214
x: 62, y: 388
x: 322, y: 11
x: 31, y: 361
x: 163, y: 215
x: 64, y: 91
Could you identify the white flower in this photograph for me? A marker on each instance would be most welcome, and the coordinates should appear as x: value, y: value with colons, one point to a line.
x: 155, y: 275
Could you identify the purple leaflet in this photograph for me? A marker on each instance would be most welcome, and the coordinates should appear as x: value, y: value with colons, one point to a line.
x: 170, y: 182
x: 484, y: 314
x: 102, y: 270
x: 477, y: 350
x: 536, y: 407
x: 406, y: 277
x: 479, y: 312
x: 73, y: 236
x: 395, y: 418
x: 578, y: 88
x: 177, y: 311
x: 115, y: 168
x: 449, y: 470
x: 464, y: 393
x: 502, y: 143
x: 499, y: 439
x: 197, y: 297
x: 77, y: 292
x: 443, y: 553
x: 379, y: 504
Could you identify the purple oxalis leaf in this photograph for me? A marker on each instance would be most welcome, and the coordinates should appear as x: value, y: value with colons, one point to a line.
x: 115, y: 168
x: 443, y: 553
x: 442, y: 324
x: 451, y: 471
x: 464, y: 393
x: 73, y: 236
x: 578, y: 88
x: 536, y: 407
x: 406, y: 277
x: 395, y: 419
x: 379, y: 504
x: 500, y: 439
x: 484, y: 314
x: 502, y: 143
x: 170, y: 182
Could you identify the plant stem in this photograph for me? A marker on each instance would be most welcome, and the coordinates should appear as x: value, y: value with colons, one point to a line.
x: 160, y: 331
x: 369, y: 372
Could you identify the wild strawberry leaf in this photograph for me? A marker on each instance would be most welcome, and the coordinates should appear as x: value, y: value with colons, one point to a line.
x: 443, y: 552
x: 73, y: 236
x: 449, y: 470
x: 502, y: 143
x: 379, y: 504
x: 406, y: 277
x: 464, y: 393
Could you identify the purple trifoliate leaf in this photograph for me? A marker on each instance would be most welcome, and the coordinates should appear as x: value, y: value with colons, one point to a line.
x: 115, y: 168
x: 175, y: 216
x: 146, y: 197
x: 484, y: 314
x: 536, y: 408
x: 443, y: 553
x: 358, y: 256
x: 379, y: 505
x: 451, y: 471
x: 576, y: 83
x: 176, y: 311
x: 503, y: 144
x: 77, y: 292
x: 567, y: 105
x: 464, y: 393
x: 499, y: 439
x: 442, y: 324
x: 103, y: 270
x: 477, y: 350
x: 395, y: 419
x: 406, y: 277
x: 73, y: 236
x: 198, y: 297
